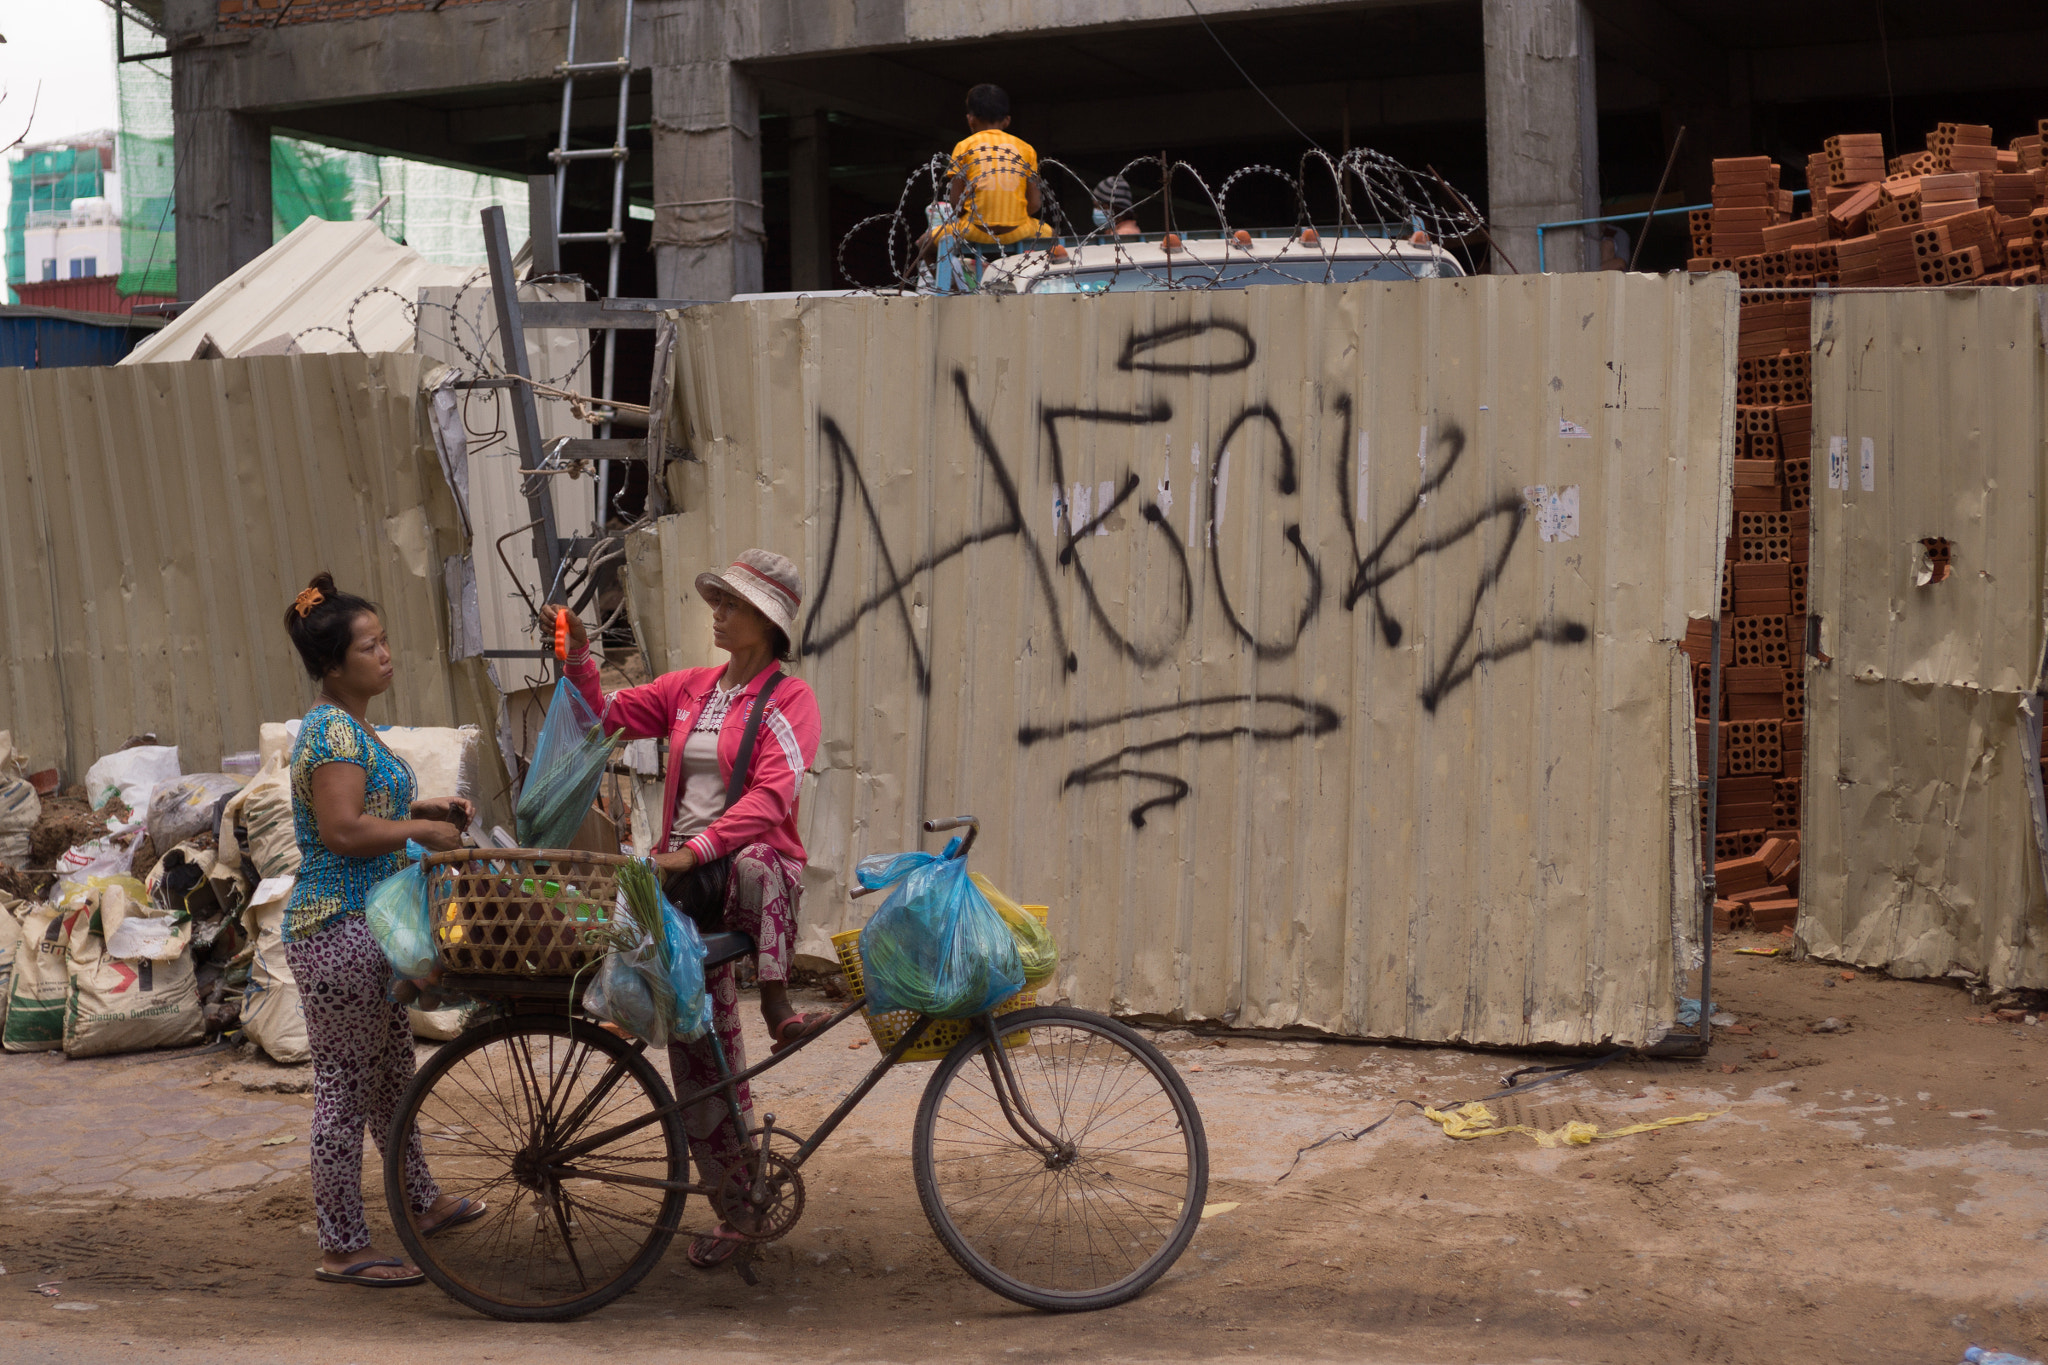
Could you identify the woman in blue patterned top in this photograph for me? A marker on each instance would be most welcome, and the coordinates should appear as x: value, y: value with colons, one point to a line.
x: 353, y: 808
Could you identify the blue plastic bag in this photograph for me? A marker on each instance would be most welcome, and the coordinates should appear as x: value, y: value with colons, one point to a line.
x: 653, y: 988
x: 568, y: 763
x: 400, y: 919
x: 936, y: 946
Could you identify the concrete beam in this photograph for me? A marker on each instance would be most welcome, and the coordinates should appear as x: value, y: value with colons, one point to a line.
x: 221, y: 175
x: 1542, y: 134
x: 459, y: 48
x: 795, y: 28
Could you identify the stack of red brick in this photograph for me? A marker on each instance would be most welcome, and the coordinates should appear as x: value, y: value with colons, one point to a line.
x: 1961, y: 212
x: 1759, y: 890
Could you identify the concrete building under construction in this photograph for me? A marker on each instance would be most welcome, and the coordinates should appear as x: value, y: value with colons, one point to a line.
x: 759, y: 131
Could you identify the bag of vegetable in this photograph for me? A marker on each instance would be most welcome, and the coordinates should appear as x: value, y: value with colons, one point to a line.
x: 568, y: 762
x: 936, y: 946
x: 651, y: 983
x: 1036, y: 950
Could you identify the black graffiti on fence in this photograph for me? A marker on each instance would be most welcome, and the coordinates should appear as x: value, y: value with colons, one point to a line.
x: 1373, y: 569
x: 1070, y: 556
x: 1139, y: 345
x: 1310, y: 718
x: 1285, y: 481
x: 820, y: 636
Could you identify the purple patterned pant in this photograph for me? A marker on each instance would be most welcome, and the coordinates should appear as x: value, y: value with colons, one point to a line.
x: 761, y: 899
x: 362, y: 1062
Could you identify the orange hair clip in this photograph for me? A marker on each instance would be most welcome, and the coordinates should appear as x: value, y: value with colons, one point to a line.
x: 304, y: 603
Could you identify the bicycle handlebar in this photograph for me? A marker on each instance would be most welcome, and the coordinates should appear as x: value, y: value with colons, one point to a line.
x: 936, y: 826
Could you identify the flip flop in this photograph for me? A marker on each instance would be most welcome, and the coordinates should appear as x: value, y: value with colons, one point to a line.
x: 466, y: 1211
x: 710, y: 1250
x: 354, y: 1275
x: 805, y: 1026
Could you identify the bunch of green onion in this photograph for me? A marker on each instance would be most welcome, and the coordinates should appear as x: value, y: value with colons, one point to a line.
x: 556, y: 798
x: 641, y: 931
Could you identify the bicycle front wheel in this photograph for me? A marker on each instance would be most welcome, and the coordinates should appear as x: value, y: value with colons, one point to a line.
x: 1088, y: 1212
x: 560, y: 1236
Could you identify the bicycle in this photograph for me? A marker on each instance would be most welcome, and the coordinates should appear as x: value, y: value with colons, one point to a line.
x: 575, y: 1143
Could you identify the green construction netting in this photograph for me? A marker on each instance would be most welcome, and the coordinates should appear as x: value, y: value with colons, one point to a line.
x: 431, y: 208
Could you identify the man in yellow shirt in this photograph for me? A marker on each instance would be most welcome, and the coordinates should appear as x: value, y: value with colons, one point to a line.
x: 995, y: 190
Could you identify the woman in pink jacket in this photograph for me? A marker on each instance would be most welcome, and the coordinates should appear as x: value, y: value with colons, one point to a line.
x: 751, y: 844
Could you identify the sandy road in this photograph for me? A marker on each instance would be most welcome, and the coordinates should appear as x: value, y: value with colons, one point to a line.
x: 1875, y: 1194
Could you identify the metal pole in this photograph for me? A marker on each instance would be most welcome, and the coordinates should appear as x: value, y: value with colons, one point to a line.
x: 547, y: 547
x: 1662, y: 180
x: 1708, y: 881
x: 617, y: 243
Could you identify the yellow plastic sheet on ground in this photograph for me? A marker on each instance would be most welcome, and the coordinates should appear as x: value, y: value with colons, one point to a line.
x: 1475, y: 1120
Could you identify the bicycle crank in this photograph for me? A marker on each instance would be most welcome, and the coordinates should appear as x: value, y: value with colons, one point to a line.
x: 771, y: 1214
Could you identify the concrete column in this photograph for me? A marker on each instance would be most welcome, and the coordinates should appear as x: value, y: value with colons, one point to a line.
x: 813, y: 254
x: 707, y: 151
x: 221, y: 175
x: 1542, y: 133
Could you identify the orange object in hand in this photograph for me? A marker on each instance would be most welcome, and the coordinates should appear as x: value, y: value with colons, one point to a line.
x: 562, y: 634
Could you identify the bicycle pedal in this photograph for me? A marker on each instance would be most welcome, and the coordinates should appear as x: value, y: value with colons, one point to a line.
x: 744, y: 1264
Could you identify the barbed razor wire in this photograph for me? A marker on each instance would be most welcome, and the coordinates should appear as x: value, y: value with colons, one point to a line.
x: 981, y: 232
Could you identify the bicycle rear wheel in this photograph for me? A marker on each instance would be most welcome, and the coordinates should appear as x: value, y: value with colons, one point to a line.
x: 495, y: 1109
x: 1091, y: 1218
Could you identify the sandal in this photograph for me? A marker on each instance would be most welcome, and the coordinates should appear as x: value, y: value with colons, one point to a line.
x: 710, y: 1250
x: 466, y: 1211
x: 794, y: 1030
x: 354, y: 1275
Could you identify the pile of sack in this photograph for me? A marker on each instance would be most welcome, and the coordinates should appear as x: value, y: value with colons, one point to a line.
x: 163, y: 924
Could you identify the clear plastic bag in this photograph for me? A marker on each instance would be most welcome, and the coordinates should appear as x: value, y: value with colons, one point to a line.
x: 652, y: 988
x: 400, y: 920
x: 1036, y: 950
x: 937, y: 945
x: 568, y: 763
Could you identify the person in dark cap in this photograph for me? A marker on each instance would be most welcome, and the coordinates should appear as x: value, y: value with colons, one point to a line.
x: 1113, y: 208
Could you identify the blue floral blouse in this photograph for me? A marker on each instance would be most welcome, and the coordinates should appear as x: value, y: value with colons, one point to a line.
x: 331, y: 887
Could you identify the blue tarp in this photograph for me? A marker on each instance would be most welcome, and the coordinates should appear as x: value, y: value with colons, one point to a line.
x: 46, y: 338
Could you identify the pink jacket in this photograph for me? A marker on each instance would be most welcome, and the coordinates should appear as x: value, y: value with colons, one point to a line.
x: 668, y: 708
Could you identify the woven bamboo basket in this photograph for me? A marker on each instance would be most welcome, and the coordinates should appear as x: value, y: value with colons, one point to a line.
x: 520, y: 911
x: 939, y: 1037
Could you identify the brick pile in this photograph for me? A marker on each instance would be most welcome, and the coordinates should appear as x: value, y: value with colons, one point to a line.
x: 1961, y: 212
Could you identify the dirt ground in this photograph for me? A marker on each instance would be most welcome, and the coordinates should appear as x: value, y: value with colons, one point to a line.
x: 1875, y: 1193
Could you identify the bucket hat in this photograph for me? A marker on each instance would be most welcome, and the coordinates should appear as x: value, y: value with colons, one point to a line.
x: 764, y: 578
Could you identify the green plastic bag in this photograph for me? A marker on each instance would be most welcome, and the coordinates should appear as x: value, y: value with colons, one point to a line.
x: 1035, y: 948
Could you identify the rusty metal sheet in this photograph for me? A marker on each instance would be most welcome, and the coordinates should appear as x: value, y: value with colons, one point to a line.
x: 1921, y: 849
x: 156, y: 521
x: 1311, y: 651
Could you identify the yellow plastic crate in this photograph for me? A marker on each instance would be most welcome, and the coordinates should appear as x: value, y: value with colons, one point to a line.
x: 940, y: 1036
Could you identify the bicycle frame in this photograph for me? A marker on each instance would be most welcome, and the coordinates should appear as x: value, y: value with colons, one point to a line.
x: 1008, y: 1094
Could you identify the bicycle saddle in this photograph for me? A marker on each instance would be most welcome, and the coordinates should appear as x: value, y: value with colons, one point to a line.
x: 724, y: 947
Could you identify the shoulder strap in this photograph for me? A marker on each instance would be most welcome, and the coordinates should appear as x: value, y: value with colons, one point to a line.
x: 744, y: 763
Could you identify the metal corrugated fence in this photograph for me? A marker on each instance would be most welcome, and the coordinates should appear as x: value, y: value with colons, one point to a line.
x: 156, y: 520
x: 1311, y: 651
x: 1921, y: 852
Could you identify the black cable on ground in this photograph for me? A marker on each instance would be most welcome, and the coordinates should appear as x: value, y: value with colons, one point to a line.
x: 1549, y: 1074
